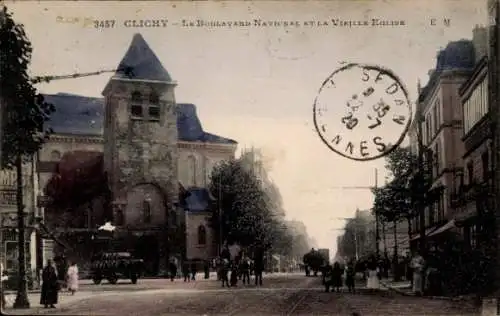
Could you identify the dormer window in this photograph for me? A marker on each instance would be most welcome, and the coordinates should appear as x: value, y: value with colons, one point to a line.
x: 154, y: 107
x: 136, y: 105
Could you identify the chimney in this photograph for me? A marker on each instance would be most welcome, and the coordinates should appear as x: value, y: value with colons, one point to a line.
x: 480, y: 41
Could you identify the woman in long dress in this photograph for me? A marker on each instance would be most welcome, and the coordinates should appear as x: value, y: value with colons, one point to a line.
x: 418, y: 265
x: 50, y: 286
x: 373, y: 282
x: 73, y: 278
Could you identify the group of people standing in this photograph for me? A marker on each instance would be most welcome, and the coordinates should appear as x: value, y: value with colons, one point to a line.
x: 333, y: 277
x: 51, y: 282
x: 241, y: 267
x: 54, y: 279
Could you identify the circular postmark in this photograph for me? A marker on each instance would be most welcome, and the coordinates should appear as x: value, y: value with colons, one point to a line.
x: 362, y: 112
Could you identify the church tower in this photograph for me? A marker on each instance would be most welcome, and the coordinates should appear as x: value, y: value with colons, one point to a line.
x: 140, y: 135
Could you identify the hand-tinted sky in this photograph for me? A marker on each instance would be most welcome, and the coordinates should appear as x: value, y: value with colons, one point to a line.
x: 257, y: 84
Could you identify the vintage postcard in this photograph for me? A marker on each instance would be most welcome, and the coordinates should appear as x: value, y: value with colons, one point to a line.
x: 249, y: 157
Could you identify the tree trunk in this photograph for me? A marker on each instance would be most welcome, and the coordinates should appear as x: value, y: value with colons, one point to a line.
x: 410, y: 228
x: 385, y: 239
x: 395, y: 255
x: 22, y: 295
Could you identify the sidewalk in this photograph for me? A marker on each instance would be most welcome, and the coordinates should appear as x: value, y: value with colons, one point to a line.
x: 404, y: 288
x: 65, y: 299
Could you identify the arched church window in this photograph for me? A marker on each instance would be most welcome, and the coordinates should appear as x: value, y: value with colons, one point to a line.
x: 191, y: 171
x: 119, y: 218
x: 136, y: 105
x: 146, y: 211
x: 173, y: 218
x: 202, y: 235
x: 55, y: 155
x: 208, y: 170
x: 154, y: 106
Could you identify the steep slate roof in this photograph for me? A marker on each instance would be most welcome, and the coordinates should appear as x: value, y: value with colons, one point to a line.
x: 141, y: 63
x: 76, y: 114
x: 79, y: 115
x: 458, y: 55
x: 198, y: 200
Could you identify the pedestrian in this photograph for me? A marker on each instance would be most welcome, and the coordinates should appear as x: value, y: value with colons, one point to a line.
x: 50, y: 286
x: 349, y: 277
x: 245, y: 270
x: 418, y: 265
x: 72, y: 278
x: 206, y: 269
x: 185, y: 271
x: 173, y: 269
x: 4, y: 278
x: 258, y: 266
x: 194, y: 269
x: 234, y: 275
x: 372, y: 281
x: 224, y: 271
x: 336, y: 279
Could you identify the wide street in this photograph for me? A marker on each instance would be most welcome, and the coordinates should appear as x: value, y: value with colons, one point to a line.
x: 282, y: 294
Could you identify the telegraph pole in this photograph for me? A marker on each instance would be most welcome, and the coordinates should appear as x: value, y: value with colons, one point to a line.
x: 420, y: 180
x: 220, y: 212
x: 377, y: 233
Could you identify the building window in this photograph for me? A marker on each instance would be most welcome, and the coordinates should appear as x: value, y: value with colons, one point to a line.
x: 438, y: 112
x: 473, y: 236
x: 428, y: 128
x: 191, y: 171
x: 119, y: 218
x: 470, y: 173
x: 173, y: 218
x: 441, y: 208
x: 154, y: 107
x: 432, y: 214
x: 55, y: 155
x: 435, y: 118
x: 146, y: 212
x: 486, y: 167
x: 435, y: 160
x: 136, y: 105
x: 208, y: 171
x: 202, y: 235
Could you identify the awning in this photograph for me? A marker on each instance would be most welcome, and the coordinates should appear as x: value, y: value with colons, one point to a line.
x: 445, y: 227
x: 427, y: 232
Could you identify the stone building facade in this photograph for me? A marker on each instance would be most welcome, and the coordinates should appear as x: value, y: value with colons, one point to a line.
x: 445, y: 122
x: 473, y: 189
x: 153, y: 148
x: 441, y: 111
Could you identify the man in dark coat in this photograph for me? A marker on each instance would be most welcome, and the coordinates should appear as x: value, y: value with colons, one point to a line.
x: 350, y: 276
x: 258, y: 266
x: 185, y: 271
x: 173, y: 270
x: 194, y: 269
x: 50, y: 286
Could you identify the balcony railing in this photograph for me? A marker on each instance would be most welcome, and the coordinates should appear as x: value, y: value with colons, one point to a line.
x: 7, y: 196
x: 473, y: 191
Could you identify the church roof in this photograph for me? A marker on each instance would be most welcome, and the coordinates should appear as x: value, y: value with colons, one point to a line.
x: 79, y: 115
x: 141, y: 63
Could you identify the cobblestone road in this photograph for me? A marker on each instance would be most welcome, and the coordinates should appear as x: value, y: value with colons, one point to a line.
x: 281, y: 295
